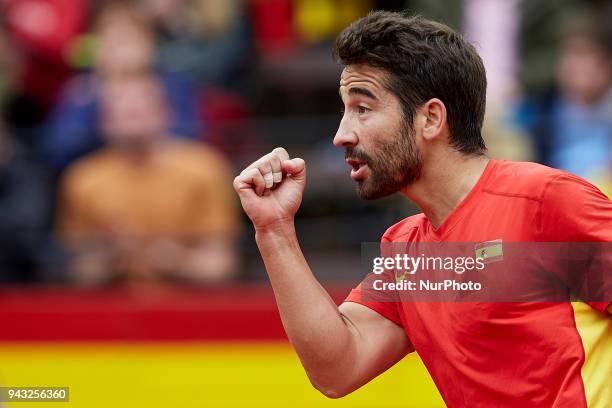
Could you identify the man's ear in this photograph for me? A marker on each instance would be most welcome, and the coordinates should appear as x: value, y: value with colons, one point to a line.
x: 432, y: 118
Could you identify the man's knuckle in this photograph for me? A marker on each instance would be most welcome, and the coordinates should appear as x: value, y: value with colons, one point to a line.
x: 281, y: 153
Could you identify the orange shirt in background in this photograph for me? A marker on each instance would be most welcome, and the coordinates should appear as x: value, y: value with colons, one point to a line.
x: 182, y: 192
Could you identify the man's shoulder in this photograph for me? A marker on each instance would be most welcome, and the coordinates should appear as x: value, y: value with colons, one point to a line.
x: 196, y: 159
x: 86, y: 177
x: 522, y: 179
x: 91, y: 166
x: 405, y: 230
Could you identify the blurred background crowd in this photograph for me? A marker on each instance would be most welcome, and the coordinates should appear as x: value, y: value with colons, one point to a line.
x: 123, y: 124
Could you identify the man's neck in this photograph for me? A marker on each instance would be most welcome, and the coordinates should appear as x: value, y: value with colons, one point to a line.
x: 445, y: 181
x: 142, y: 154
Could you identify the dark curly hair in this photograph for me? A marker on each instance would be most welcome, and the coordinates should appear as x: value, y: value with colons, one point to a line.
x: 424, y: 60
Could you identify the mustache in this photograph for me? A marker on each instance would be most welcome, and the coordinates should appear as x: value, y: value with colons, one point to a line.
x: 355, y: 154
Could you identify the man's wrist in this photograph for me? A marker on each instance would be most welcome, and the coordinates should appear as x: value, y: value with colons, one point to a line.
x: 282, y: 228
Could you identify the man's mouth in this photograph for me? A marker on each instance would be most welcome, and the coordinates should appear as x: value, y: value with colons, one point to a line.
x: 359, y: 168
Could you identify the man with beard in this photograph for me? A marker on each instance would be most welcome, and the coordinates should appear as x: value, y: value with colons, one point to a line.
x: 414, y: 97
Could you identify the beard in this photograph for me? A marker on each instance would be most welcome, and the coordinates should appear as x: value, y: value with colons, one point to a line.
x: 395, y: 166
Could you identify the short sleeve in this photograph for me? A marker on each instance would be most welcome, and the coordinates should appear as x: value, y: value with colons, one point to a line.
x: 386, y: 308
x: 576, y: 212
x: 384, y: 302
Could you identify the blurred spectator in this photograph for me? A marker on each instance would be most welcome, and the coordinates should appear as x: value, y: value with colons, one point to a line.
x: 538, y: 40
x: 148, y: 207
x: 572, y: 125
x: 281, y: 26
x: 24, y: 243
x: 42, y: 31
x: 273, y: 26
x: 322, y: 20
x: 492, y: 25
x: 208, y: 39
x: 8, y: 64
x: 22, y: 113
x: 124, y: 45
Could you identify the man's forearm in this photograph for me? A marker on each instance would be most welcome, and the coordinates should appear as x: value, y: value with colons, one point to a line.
x: 311, y: 319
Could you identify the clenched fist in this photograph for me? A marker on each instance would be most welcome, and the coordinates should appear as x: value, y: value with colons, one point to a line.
x: 271, y: 188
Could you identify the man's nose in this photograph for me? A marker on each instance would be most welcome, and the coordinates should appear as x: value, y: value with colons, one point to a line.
x: 345, y: 136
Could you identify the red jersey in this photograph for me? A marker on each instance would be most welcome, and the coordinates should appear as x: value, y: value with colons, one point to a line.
x: 529, y: 354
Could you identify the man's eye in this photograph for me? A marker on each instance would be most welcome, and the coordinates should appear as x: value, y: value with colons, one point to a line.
x: 362, y: 109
